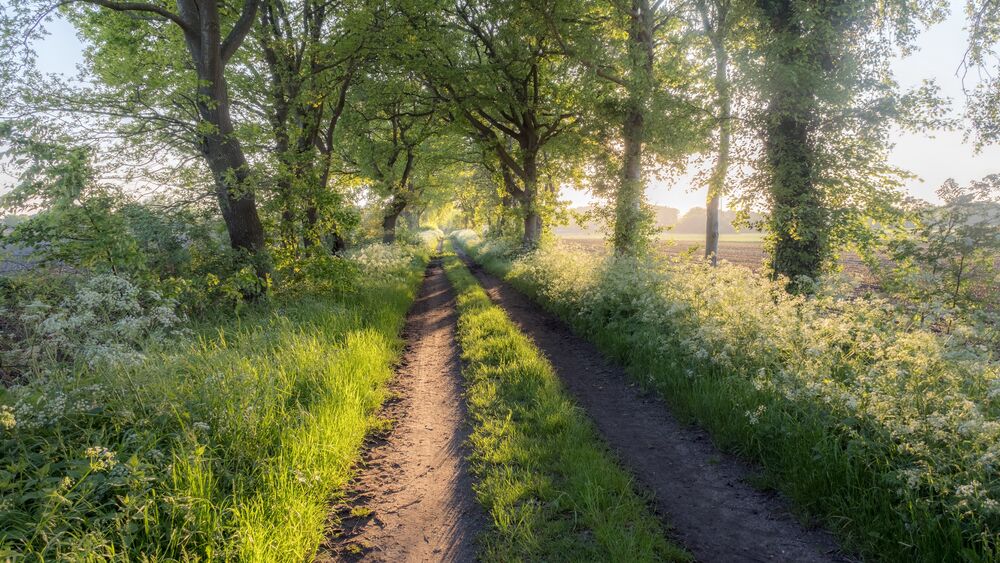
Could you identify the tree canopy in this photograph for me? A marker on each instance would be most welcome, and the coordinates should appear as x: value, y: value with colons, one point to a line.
x: 294, y: 114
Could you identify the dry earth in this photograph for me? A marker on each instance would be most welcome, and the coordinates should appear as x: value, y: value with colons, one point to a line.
x: 413, y: 499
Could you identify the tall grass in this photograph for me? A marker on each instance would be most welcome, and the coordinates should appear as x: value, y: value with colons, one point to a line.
x: 887, y: 432
x: 226, y: 445
x: 553, y: 491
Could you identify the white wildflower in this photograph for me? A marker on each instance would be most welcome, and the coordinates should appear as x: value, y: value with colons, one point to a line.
x: 7, y: 419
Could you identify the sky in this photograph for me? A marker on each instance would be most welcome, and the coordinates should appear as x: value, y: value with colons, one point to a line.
x: 933, y: 158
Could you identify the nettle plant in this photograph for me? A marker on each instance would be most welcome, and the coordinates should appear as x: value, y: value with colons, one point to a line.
x: 947, y: 261
x: 108, y: 319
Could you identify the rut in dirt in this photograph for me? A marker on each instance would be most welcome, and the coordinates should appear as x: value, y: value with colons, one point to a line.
x: 702, y: 493
x: 413, y: 498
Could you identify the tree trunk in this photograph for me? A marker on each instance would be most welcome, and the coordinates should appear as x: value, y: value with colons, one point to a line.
x: 284, y: 180
x: 337, y: 243
x: 630, y: 216
x: 222, y: 150
x: 532, y: 219
x: 532, y: 229
x: 717, y: 183
x: 390, y: 218
x: 799, y: 218
x: 311, y: 236
x: 236, y: 199
x: 628, y: 201
x: 712, y: 228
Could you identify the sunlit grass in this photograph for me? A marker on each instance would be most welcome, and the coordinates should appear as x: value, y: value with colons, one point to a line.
x: 552, y: 489
x: 227, y: 445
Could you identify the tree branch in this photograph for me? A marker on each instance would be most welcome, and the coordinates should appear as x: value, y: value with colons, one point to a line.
x: 239, y: 31
x: 135, y: 7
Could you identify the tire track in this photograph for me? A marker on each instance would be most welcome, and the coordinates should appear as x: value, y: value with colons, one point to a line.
x: 413, y: 500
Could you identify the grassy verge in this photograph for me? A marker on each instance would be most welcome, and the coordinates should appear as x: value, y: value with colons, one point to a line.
x: 228, y: 445
x: 882, y: 432
x: 553, y: 491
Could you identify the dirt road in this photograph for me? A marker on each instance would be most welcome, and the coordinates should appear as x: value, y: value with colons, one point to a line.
x: 413, y: 499
x: 703, y: 493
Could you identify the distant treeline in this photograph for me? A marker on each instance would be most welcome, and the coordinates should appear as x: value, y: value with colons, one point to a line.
x: 666, y: 217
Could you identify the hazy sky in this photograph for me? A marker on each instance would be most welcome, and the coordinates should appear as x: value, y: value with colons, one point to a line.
x: 932, y: 158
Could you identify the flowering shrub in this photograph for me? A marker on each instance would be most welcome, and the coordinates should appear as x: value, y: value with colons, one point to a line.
x: 834, y: 393
x: 497, y: 248
x: 108, y: 320
x: 429, y: 238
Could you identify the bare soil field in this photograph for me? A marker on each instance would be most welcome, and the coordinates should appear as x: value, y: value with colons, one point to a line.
x: 737, y: 250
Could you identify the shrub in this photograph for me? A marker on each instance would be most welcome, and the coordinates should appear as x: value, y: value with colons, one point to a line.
x: 318, y: 273
x: 380, y: 261
x: 108, y: 319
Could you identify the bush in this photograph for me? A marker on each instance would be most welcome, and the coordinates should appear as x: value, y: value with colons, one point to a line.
x: 108, y: 319
x: 381, y: 261
x: 318, y: 273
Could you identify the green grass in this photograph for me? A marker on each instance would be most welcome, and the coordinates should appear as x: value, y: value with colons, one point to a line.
x: 841, y: 470
x: 552, y: 489
x: 228, y: 445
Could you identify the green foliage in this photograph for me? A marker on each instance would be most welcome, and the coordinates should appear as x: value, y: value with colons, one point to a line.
x: 225, y: 445
x: 947, y: 261
x: 76, y: 219
x: 886, y: 431
x: 317, y: 273
x: 827, y: 102
x: 553, y: 491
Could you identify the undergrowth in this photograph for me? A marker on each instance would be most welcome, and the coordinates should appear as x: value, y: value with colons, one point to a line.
x: 887, y: 432
x: 226, y: 443
x: 553, y: 491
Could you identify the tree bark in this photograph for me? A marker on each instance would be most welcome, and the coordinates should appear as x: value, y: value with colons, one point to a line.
x: 532, y: 234
x: 220, y: 147
x: 628, y: 200
x: 337, y: 243
x: 799, y: 219
x: 630, y: 216
x: 717, y: 183
x: 390, y: 219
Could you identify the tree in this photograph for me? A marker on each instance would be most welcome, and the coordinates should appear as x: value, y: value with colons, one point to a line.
x: 74, y: 219
x: 829, y: 101
x: 984, y: 98
x: 500, y: 80
x: 392, y: 118
x: 199, y: 27
x: 719, y: 20
x: 950, y: 254
x: 638, y: 57
x: 311, y: 51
